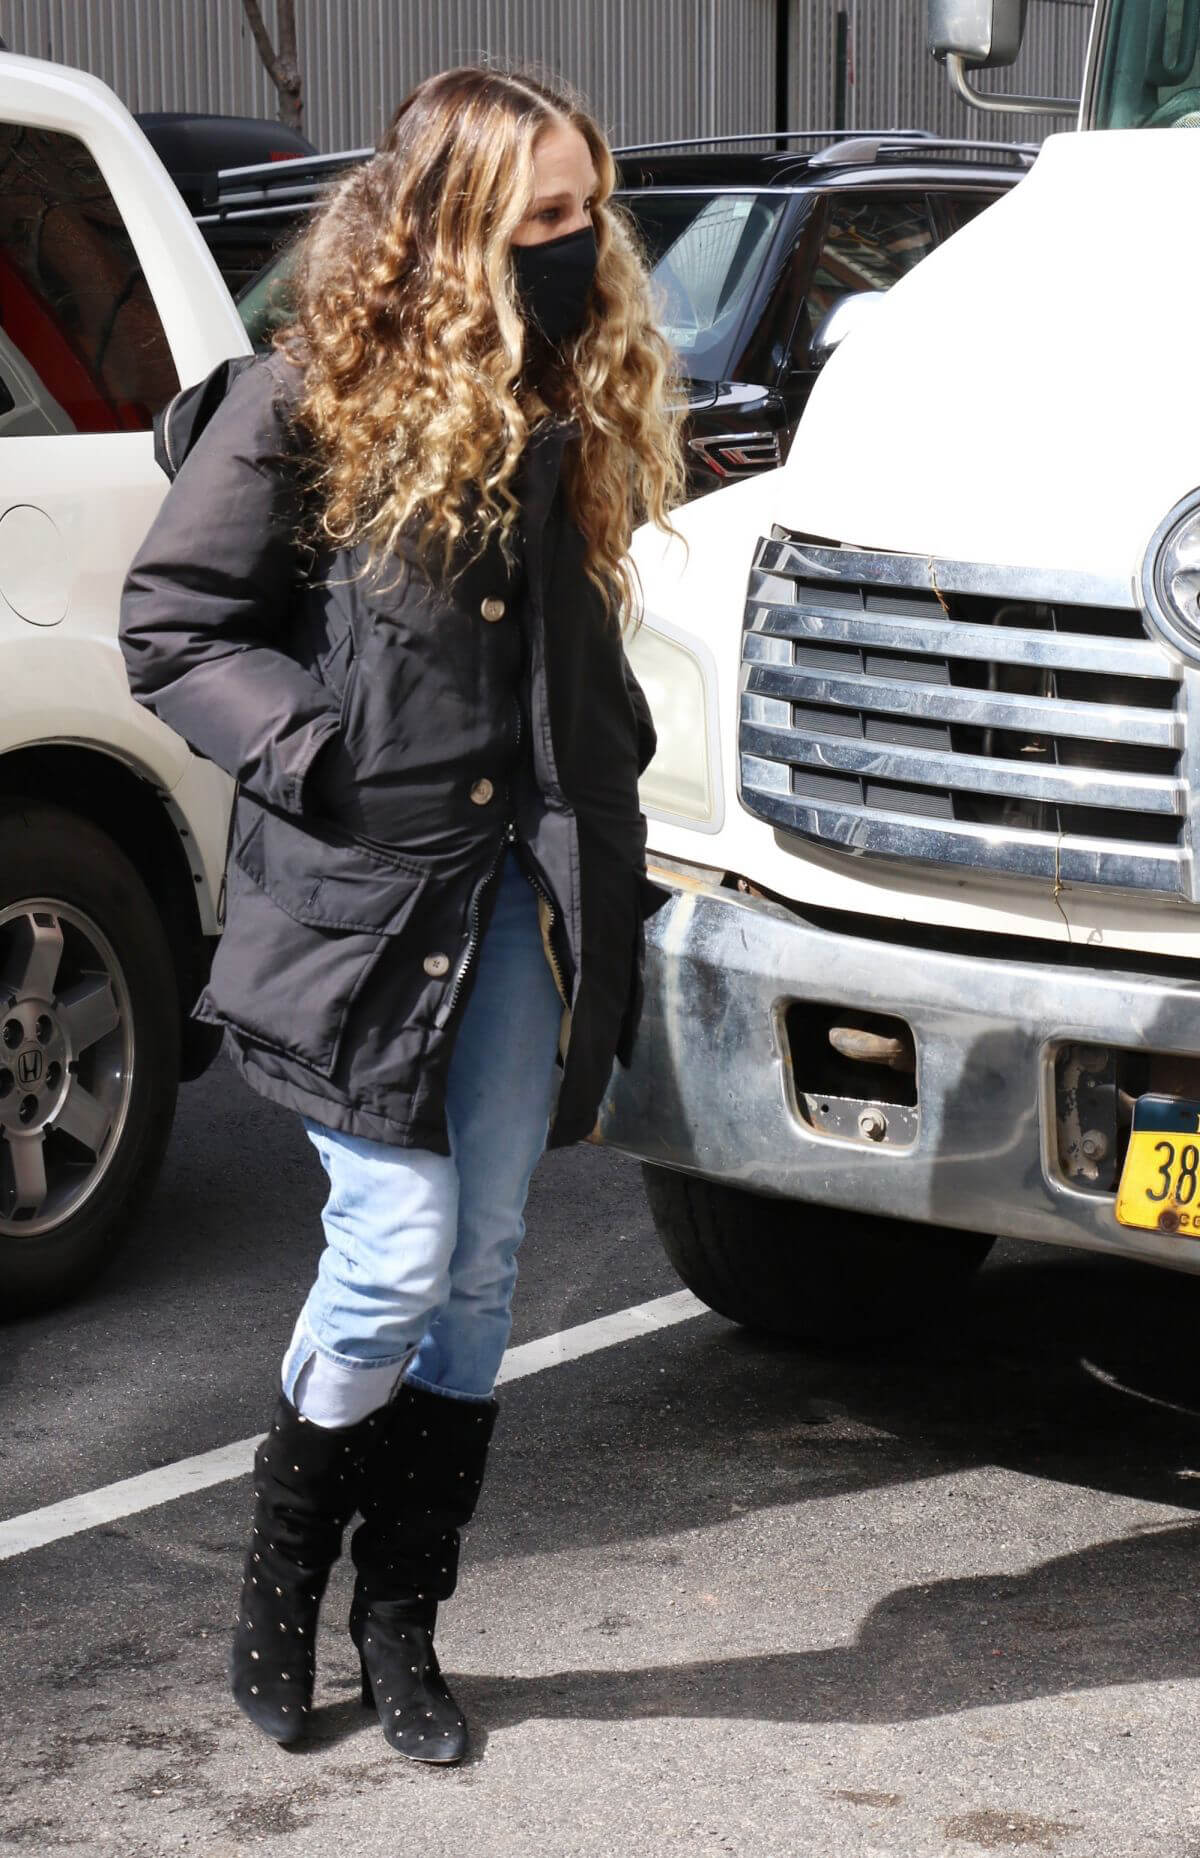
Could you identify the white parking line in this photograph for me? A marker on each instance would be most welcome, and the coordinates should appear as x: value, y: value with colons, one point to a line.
x: 96, y: 1507
x: 605, y: 1332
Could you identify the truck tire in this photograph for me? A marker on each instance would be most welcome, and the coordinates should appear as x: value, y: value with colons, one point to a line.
x: 89, y: 1050
x: 811, y: 1272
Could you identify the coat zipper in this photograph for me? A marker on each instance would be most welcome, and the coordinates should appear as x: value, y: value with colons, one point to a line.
x: 229, y: 832
x: 451, y: 1001
x: 540, y: 890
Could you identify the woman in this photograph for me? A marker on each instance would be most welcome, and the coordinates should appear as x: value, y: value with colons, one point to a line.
x: 386, y: 592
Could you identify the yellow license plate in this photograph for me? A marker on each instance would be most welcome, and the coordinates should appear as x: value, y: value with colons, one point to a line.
x: 1160, y: 1182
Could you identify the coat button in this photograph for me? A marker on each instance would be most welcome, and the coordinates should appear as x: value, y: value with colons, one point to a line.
x: 492, y: 608
x: 482, y: 792
x: 437, y: 965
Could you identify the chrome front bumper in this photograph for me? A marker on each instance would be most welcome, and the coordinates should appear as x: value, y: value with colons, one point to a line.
x: 712, y: 1090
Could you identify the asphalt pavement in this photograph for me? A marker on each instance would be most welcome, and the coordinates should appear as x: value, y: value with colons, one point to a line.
x: 723, y: 1596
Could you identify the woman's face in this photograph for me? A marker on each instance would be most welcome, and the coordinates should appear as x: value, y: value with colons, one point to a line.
x: 564, y: 185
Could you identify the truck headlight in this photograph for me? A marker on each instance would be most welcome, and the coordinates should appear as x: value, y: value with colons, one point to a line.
x: 1171, y: 576
x: 683, y: 781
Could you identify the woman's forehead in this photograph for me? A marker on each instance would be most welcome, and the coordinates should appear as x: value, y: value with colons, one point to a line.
x: 562, y: 162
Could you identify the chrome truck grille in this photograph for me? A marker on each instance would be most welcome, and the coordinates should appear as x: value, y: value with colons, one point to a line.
x: 969, y: 716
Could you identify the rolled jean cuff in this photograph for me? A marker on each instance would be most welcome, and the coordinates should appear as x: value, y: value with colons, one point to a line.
x: 448, y: 1393
x: 336, y: 1390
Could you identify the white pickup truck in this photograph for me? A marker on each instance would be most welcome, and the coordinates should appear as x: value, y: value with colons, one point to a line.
x: 112, y: 834
x: 927, y: 793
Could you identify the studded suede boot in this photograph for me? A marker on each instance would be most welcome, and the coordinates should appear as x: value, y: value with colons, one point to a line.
x: 305, y: 1488
x: 419, y: 1485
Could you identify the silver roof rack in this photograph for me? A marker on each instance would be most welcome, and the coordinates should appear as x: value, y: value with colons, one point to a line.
x: 861, y: 150
x: 269, y: 189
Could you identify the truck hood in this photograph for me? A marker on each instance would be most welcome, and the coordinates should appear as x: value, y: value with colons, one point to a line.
x: 1028, y: 394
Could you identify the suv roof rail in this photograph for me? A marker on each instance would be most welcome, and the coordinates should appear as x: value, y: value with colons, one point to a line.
x: 275, y: 188
x: 298, y: 164
x: 770, y: 135
x: 864, y: 149
x: 270, y: 179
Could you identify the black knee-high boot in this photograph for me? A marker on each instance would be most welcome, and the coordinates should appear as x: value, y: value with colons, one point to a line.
x: 306, y: 1488
x: 419, y: 1485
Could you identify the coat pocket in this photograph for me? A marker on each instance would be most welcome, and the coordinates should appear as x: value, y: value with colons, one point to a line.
x: 309, y: 914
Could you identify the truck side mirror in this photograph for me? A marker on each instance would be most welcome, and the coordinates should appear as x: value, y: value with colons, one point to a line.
x: 975, y: 35
x: 983, y: 33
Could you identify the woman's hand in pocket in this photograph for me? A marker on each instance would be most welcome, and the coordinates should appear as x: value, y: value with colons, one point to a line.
x: 331, y: 789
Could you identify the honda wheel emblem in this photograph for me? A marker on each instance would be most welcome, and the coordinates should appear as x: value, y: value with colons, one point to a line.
x: 29, y: 1066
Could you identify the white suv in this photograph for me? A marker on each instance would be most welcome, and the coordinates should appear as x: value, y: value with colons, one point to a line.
x: 112, y: 834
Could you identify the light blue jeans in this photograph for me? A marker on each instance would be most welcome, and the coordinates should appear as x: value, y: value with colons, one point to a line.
x: 420, y: 1258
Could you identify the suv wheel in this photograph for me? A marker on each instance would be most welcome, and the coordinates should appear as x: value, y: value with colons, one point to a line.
x: 814, y: 1272
x: 89, y: 1049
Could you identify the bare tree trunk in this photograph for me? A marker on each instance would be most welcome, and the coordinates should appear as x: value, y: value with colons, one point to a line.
x: 282, y: 66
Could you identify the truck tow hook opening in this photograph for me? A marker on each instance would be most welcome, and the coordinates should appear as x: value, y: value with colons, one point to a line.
x: 854, y: 1074
x: 1096, y: 1091
x: 871, y: 1048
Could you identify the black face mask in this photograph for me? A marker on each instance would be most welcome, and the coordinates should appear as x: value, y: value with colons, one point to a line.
x: 554, y: 282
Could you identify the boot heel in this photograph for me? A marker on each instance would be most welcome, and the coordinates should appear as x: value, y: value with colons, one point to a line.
x: 368, y: 1692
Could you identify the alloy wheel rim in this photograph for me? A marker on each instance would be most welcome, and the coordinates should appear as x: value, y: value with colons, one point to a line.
x: 66, y: 1063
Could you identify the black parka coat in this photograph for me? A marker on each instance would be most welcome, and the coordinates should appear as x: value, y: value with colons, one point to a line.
x: 391, y: 738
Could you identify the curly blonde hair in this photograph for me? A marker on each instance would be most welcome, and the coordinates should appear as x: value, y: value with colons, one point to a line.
x: 421, y: 379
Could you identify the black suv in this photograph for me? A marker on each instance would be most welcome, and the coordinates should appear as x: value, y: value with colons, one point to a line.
x: 752, y: 251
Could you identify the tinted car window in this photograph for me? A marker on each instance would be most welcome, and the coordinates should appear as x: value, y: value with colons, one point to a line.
x: 706, y: 254
x: 869, y: 244
x: 961, y: 209
x: 85, y: 349
x: 268, y: 301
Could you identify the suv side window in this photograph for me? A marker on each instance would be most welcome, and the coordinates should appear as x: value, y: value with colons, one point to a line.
x: 870, y: 241
x: 81, y: 345
x: 959, y: 209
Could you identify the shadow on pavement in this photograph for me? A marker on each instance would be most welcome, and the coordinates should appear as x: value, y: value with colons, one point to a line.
x: 1063, y: 1366
x: 1070, y: 1624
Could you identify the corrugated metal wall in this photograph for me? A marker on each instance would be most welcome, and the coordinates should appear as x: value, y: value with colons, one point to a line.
x: 651, y: 68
